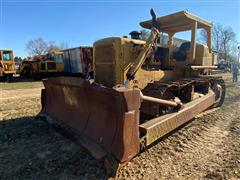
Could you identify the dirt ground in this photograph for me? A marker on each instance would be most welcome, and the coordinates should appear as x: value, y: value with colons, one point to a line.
x: 206, y: 148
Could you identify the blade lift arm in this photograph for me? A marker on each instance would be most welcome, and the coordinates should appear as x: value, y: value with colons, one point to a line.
x: 139, y: 62
x: 147, y: 49
x: 143, y: 55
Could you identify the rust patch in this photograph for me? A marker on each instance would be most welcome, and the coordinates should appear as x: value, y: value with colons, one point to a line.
x: 110, y: 117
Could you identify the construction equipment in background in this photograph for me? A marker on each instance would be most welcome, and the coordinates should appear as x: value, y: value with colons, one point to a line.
x: 78, y: 61
x: 7, y: 65
x: 141, y: 90
x: 42, y: 66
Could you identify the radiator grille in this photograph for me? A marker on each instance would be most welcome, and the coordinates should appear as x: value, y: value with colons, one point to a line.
x: 105, y: 65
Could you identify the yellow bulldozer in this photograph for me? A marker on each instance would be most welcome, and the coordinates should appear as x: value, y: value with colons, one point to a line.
x: 141, y: 91
x: 7, y: 65
x: 42, y: 66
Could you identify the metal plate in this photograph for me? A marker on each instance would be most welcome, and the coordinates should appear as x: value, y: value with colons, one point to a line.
x: 109, y: 117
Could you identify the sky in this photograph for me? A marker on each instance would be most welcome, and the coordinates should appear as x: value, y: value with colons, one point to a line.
x: 77, y: 22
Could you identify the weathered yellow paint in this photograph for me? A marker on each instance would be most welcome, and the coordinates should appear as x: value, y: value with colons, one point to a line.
x: 7, y: 67
x: 114, y: 56
x: 40, y: 65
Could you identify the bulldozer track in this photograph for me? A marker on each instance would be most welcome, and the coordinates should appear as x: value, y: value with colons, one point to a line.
x: 182, y: 89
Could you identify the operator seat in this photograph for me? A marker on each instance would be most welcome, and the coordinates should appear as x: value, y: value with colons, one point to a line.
x: 181, y: 54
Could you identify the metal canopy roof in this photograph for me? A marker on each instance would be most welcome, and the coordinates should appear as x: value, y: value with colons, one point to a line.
x: 177, y: 22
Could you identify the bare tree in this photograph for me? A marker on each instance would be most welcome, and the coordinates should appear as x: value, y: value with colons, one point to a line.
x: 228, y: 40
x: 217, y: 39
x: 216, y: 33
x: 52, y: 46
x: 37, y: 47
x: 223, y: 40
x: 40, y: 47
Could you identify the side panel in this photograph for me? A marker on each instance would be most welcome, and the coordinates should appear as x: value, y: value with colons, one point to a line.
x: 78, y: 60
x: 66, y: 61
x: 86, y: 54
x: 72, y: 61
x: 75, y: 61
x: 105, y: 58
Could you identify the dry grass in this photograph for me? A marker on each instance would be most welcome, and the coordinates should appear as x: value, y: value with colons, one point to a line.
x: 21, y: 85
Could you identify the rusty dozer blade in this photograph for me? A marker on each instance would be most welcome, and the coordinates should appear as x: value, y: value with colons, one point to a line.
x: 110, y: 117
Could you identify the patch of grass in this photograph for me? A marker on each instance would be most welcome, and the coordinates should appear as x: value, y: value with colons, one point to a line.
x: 21, y: 85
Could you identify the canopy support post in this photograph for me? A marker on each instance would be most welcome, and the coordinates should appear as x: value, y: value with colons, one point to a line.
x: 193, y: 43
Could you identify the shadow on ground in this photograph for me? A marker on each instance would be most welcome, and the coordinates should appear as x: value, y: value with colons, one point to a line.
x: 31, y: 149
x: 19, y: 79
